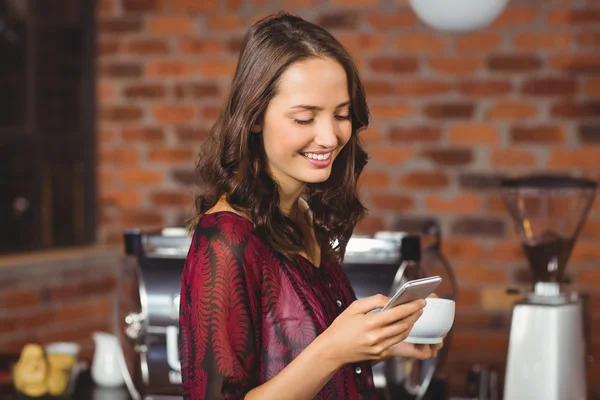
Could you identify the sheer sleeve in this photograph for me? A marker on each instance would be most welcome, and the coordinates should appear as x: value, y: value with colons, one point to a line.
x: 218, y: 313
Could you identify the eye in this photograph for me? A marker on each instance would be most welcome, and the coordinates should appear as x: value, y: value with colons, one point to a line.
x: 303, y: 121
x: 343, y: 117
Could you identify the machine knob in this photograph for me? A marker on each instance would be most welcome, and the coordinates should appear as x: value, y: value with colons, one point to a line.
x: 134, y: 325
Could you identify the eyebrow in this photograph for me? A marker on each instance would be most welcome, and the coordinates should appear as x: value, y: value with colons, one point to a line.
x: 317, y: 108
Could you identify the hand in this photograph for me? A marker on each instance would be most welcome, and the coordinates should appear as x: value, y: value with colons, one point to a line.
x: 413, y: 350
x: 356, y: 336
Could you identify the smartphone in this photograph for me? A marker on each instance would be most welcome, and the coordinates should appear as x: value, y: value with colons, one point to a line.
x: 412, y: 290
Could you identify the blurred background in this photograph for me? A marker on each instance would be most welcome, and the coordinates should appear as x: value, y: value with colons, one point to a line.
x: 104, y: 103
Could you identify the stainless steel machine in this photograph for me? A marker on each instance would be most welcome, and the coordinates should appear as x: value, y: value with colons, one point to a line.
x: 546, y: 355
x: 147, y: 320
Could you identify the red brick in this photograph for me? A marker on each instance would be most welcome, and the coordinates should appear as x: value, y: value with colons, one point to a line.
x: 580, y: 158
x: 172, y: 25
x: 300, y: 4
x: 514, y: 62
x: 462, y: 203
x: 449, y: 156
x: 174, y: 113
x: 136, y: 175
x: 356, y: 3
x: 193, y: 90
x: 589, y: 134
x: 484, y: 87
x: 121, y: 114
x: 171, y: 155
x: 19, y: 297
x: 495, y: 204
x: 474, y: 133
x: 420, y: 43
x: 537, y: 134
x: 171, y: 198
x: 234, y: 5
x: 395, y: 19
x: 422, y: 88
x: 549, y: 86
x: 211, y: 112
x: 377, y: 88
x: 71, y: 290
x: 506, y: 251
x: 145, y: 91
x: 370, y: 135
x: 423, y: 180
x: 106, y: 7
x: 390, y: 111
x: 339, y: 19
x: 391, y: 155
x: 585, y: 109
x: 143, y: 5
x: 512, y: 110
x: 148, y: 46
x: 392, y: 202
x: 478, y: 226
x: 105, y: 91
x: 119, y: 157
x: 369, y: 226
x: 195, y: 6
x: 121, y: 198
x: 461, y: 249
x: 589, y: 38
x: 516, y: 15
x: 394, y: 65
x: 169, y: 68
x: 533, y: 41
x: 108, y: 47
x: 201, y: 46
x: 360, y: 42
x: 513, y: 157
x: 373, y: 179
x: 485, y: 42
x: 215, y: 69
x: 99, y: 307
x: 575, y: 16
x: 591, y: 230
x: 420, y: 133
x: 456, y: 65
x: 225, y: 23
x: 121, y: 70
x: 576, y: 62
x: 120, y: 26
x: 480, y: 274
x: 588, y: 277
x: 140, y: 218
x: 468, y: 297
x: 450, y: 110
x: 143, y: 134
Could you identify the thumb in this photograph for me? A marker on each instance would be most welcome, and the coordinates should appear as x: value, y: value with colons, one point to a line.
x: 367, y: 304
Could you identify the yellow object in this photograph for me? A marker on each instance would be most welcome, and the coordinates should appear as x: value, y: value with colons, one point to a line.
x: 36, y: 374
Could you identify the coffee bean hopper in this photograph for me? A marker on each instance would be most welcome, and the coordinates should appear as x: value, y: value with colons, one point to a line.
x: 148, y: 306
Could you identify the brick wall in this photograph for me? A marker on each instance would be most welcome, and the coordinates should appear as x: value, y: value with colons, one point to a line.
x: 451, y: 113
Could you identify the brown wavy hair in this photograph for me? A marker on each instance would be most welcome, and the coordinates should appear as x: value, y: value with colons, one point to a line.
x: 232, y: 161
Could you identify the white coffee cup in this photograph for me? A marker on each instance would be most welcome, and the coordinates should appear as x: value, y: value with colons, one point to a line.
x: 434, y: 323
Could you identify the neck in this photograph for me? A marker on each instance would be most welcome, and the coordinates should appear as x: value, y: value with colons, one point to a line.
x: 288, y: 198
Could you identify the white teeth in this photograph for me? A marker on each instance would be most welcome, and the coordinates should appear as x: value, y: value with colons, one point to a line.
x: 317, y: 156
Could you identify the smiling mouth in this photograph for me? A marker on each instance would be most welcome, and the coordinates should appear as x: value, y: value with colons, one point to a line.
x: 318, y: 156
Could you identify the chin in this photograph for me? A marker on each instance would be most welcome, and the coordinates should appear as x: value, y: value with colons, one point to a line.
x: 315, y: 176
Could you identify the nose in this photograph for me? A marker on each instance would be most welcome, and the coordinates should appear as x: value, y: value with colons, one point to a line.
x: 326, y: 135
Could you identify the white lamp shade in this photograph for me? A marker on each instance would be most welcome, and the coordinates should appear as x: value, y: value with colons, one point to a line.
x: 457, y: 15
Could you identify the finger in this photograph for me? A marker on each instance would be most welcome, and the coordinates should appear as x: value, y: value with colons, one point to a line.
x: 398, y: 313
x: 367, y: 304
x: 433, y: 295
x: 399, y: 327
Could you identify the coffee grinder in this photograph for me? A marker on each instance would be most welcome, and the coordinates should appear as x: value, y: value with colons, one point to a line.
x: 546, y: 354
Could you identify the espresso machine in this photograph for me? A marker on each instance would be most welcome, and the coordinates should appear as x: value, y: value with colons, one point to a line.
x: 546, y: 353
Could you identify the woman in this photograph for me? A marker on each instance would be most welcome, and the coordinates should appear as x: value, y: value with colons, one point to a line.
x: 266, y: 309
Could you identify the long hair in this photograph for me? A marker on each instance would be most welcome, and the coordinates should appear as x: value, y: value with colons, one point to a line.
x: 232, y: 161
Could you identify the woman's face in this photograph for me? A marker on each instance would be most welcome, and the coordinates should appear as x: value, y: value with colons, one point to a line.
x: 307, y: 123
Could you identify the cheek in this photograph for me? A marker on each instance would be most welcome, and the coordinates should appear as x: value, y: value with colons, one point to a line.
x: 282, y: 140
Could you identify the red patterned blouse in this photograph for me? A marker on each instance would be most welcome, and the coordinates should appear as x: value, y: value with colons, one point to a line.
x: 246, y: 313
